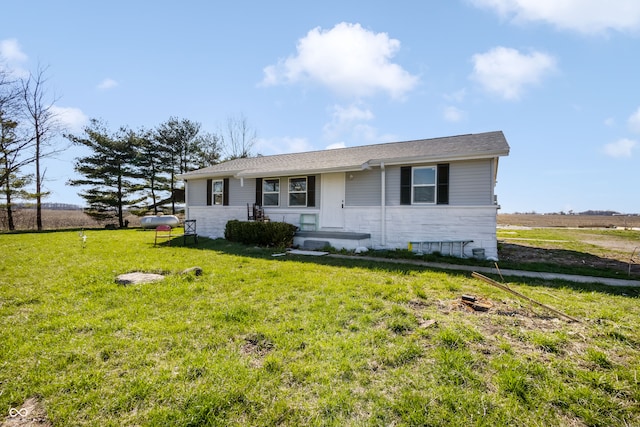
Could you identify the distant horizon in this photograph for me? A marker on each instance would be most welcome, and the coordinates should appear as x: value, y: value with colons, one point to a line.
x: 588, y: 212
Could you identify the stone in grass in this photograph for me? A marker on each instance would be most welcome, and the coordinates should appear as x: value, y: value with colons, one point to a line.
x: 138, y: 277
x: 197, y: 271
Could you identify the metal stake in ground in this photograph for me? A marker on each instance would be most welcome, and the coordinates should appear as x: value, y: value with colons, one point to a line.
x: 508, y: 289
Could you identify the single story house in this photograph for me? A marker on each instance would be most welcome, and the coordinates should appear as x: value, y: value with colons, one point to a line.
x: 428, y: 195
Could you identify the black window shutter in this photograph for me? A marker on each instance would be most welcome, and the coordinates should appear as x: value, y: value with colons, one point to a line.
x: 209, y: 191
x: 258, y: 191
x: 225, y: 192
x: 405, y: 185
x: 443, y: 184
x: 311, y: 190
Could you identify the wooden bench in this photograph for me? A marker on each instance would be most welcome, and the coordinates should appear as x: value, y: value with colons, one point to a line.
x: 430, y: 246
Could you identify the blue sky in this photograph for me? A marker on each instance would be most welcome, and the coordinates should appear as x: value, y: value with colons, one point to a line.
x: 558, y: 77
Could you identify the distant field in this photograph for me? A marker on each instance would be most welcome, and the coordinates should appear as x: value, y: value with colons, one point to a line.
x: 25, y: 219
x: 533, y: 220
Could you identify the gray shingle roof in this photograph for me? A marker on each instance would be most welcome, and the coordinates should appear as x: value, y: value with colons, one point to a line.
x: 461, y: 147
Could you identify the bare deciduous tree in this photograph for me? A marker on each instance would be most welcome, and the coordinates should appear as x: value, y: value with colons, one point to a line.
x: 15, y: 146
x: 44, y: 125
x: 240, y: 137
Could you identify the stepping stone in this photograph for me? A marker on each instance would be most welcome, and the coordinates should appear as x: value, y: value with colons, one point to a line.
x: 138, y: 277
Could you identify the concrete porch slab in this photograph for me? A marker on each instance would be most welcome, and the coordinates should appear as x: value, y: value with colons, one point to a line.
x: 337, y: 239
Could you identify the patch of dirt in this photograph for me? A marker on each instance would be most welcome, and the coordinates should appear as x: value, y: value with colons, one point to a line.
x: 30, y: 414
x: 618, y: 245
x: 257, y: 346
x: 522, y: 253
x: 606, y: 252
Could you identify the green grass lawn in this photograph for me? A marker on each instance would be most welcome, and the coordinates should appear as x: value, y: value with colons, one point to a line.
x: 262, y: 340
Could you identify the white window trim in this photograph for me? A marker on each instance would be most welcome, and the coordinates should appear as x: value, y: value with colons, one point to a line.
x: 434, y: 185
x: 271, y: 192
x: 305, y: 192
x: 214, y: 192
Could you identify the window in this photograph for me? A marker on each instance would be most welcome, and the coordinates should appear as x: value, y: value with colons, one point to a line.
x: 270, y: 192
x: 424, y: 185
x: 298, y: 191
x: 217, y: 191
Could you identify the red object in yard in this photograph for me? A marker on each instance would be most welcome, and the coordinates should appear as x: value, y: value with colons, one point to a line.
x: 163, y: 232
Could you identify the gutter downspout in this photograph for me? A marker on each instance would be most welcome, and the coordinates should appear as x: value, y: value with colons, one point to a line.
x: 186, y: 199
x: 383, y: 207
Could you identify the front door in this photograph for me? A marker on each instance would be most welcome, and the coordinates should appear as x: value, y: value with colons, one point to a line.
x: 332, y: 201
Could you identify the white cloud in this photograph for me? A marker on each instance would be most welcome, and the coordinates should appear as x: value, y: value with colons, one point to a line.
x: 282, y: 145
x: 336, y: 145
x: 345, y: 119
x: 10, y: 50
x: 584, y: 16
x: 107, y: 84
x: 351, y: 122
x: 453, y: 114
x: 12, y: 57
x: 506, y: 72
x: 72, y: 119
x: 634, y: 121
x: 621, y: 148
x: 351, y: 113
x: 348, y: 60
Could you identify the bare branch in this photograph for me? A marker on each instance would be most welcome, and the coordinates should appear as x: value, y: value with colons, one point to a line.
x: 240, y: 137
x: 44, y: 125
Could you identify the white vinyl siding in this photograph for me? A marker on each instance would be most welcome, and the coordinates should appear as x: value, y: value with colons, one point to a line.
x: 363, y: 188
x: 470, y: 183
x: 240, y: 195
x: 197, y: 195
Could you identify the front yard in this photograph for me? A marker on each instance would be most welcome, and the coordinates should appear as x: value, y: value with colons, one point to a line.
x: 262, y: 340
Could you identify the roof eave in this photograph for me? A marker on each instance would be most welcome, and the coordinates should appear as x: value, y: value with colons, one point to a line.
x: 293, y: 172
x: 206, y: 174
x: 433, y: 159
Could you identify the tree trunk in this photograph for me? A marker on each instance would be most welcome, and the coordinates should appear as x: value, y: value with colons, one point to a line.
x: 38, y: 190
x: 10, y: 222
x: 154, y: 199
x: 120, y: 197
